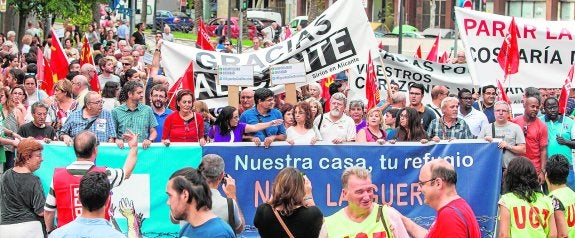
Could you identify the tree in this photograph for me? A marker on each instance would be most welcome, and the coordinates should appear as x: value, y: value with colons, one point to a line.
x: 316, y: 8
x: 198, y: 12
x: 145, y: 12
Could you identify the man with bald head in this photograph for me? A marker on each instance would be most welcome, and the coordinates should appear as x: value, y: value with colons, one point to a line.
x: 438, y: 93
x: 80, y: 87
x: 246, y: 100
x: 88, y: 70
x: 65, y: 182
x: 437, y: 180
x: 91, y: 117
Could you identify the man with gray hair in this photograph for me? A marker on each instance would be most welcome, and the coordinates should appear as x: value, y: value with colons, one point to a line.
x: 213, y: 169
x: 362, y: 216
x: 449, y: 126
x: 334, y: 125
x: 38, y: 128
x: 91, y: 117
x: 80, y: 89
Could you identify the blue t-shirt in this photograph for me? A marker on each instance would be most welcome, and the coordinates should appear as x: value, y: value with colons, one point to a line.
x: 215, y: 227
x: 160, y: 126
x: 252, y: 116
x: 87, y: 227
x: 488, y: 111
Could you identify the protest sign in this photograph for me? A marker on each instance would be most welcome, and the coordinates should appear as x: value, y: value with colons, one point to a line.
x: 545, y: 48
x: 288, y: 73
x: 235, y: 75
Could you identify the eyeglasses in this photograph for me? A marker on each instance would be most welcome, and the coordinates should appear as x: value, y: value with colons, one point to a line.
x: 97, y: 102
x: 422, y: 183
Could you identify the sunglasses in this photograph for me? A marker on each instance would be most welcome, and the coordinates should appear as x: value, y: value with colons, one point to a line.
x: 126, y: 64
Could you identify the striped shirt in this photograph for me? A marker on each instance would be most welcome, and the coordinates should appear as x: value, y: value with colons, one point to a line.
x: 139, y: 121
x: 439, y: 128
x: 80, y: 168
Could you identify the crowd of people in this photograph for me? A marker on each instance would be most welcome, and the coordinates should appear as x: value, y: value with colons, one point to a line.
x: 132, y: 107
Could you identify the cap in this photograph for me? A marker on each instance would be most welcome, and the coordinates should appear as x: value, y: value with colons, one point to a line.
x: 341, y: 76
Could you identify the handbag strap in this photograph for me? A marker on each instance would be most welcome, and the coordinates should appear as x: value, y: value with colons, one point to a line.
x: 281, y: 222
x: 231, y: 214
x: 380, y: 215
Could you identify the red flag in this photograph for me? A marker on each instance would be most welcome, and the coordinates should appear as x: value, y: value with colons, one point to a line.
x: 371, y: 85
x: 444, y: 58
x: 86, y: 58
x: 508, y: 57
x: 44, y: 74
x: 58, y: 60
x: 502, y: 94
x: 564, y: 97
x: 184, y: 82
x: 432, y: 56
x: 380, y: 46
x: 204, y: 38
x: 324, y: 83
x: 418, y: 52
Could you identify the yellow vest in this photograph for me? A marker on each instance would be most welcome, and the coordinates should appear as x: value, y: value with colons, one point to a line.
x: 567, y: 197
x: 528, y: 220
x: 340, y: 226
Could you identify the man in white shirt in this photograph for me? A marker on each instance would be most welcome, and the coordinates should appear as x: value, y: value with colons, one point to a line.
x: 335, y: 126
x: 473, y: 117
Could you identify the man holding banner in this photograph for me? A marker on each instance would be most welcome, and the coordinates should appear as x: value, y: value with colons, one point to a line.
x: 264, y: 111
x: 65, y: 182
x: 455, y: 218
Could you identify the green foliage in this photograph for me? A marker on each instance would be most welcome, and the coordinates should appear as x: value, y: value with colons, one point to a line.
x: 82, y: 16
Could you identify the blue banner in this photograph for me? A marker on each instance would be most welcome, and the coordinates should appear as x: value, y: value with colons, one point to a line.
x: 395, y: 171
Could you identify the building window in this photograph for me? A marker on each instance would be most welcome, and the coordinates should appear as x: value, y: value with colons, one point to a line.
x: 527, y: 9
x: 438, y: 18
x: 566, y: 10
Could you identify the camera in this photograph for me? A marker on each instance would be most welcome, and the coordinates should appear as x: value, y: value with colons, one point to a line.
x: 224, y: 182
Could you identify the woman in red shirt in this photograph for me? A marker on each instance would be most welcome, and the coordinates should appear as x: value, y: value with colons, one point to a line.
x: 184, y: 125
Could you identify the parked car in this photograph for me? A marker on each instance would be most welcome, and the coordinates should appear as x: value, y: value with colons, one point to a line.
x: 178, y: 21
x: 433, y: 32
x: 296, y: 22
x: 215, y: 22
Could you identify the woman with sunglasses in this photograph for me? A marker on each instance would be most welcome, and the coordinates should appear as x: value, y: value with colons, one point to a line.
x: 228, y: 127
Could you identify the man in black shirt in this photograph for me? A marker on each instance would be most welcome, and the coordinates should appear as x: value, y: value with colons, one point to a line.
x: 138, y: 36
x: 38, y: 128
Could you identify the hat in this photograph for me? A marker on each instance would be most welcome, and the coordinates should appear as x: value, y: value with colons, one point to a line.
x: 341, y: 76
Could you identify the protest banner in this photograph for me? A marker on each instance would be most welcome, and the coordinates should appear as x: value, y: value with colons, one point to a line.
x: 235, y: 75
x: 395, y: 170
x: 545, y: 48
x: 336, y: 40
x: 147, y: 185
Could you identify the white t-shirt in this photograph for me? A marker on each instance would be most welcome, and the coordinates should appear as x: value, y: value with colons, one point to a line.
x: 302, y: 139
x: 343, y: 128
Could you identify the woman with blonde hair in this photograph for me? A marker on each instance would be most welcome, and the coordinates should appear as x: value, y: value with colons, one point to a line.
x: 373, y: 132
x: 315, y: 107
x: 291, y: 211
x: 63, y: 104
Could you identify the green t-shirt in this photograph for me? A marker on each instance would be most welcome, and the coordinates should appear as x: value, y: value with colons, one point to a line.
x: 567, y: 198
x: 528, y: 220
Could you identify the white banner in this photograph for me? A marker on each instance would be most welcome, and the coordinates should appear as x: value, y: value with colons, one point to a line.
x: 546, y: 48
x: 405, y: 70
x: 338, y: 39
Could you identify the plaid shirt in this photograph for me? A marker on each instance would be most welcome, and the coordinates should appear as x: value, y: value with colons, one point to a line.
x: 103, y: 126
x: 459, y: 130
x: 138, y: 121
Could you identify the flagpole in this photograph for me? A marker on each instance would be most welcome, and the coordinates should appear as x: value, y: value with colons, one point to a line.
x: 387, y: 82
